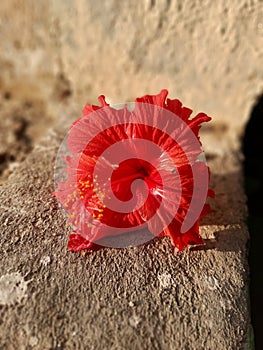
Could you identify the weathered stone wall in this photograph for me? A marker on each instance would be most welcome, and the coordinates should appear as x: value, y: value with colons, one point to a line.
x: 208, y: 53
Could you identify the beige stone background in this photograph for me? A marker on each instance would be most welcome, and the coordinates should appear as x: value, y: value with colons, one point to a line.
x: 208, y: 54
x: 54, y: 57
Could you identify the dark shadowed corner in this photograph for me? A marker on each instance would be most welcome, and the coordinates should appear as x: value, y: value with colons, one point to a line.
x: 253, y: 169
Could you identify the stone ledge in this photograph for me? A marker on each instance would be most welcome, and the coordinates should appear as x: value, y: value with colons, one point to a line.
x: 136, y: 298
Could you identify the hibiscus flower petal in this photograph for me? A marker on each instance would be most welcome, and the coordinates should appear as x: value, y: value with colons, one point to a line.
x: 160, y: 182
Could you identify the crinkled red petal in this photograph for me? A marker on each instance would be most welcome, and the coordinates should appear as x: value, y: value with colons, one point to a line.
x: 89, y: 157
x: 77, y: 242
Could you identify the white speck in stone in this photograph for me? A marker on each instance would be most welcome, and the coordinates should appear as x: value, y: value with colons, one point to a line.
x: 212, y: 283
x: 13, y: 288
x: 45, y: 260
x: 134, y: 321
x: 6, y: 221
x: 165, y: 280
x: 33, y: 341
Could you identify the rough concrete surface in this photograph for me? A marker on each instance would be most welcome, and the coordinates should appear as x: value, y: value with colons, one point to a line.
x: 135, y: 298
x: 54, y: 57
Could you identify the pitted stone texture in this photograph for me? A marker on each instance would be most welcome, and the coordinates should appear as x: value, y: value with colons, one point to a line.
x: 135, y: 298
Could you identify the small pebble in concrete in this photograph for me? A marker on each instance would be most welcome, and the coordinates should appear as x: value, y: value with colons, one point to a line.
x: 33, y: 341
x: 165, y: 280
x: 13, y: 288
x: 45, y: 260
x: 134, y: 320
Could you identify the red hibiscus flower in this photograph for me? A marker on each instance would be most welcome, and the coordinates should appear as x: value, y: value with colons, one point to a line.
x: 135, y: 172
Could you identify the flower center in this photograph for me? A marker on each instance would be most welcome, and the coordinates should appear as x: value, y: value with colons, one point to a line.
x: 129, y: 171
